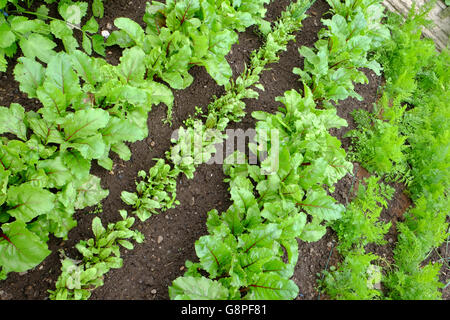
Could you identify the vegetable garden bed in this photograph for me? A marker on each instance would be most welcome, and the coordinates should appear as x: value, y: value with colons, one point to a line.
x: 152, y: 266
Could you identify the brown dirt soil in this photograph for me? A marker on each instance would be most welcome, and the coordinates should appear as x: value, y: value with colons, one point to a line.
x: 151, y: 267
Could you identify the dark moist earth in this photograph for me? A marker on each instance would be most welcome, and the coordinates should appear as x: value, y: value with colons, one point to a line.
x: 151, y: 267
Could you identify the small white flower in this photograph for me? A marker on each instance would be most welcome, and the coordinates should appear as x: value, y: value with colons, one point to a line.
x: 105, y: 34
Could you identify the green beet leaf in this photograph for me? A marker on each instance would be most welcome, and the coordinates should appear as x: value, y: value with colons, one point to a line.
x: 214, y: 255
x: 131, y: 28
x: 21, y: 249
x: 81, y: 131
x: 57, y: 172
x: 37, y: 45
x: 272, y: 287
x: 4, y: 178
x: 132, y: 67
x: 27, y: 202
x: 322, y: 206
x: 190, y: 288
x: 30, y: 74
x: 12, y: 121
x: 90, y: 193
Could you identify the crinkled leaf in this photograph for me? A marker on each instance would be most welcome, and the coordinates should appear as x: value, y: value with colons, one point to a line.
x: 272, y: 287
x: 214, y: 255
x: 57, y: 172
x: 132, y: 65
x: 90, y: 193
x: 322, y: 206
x: 7, y: 37
x: 190, y: 288
x: 23, y: 250
x: 73, y: 12
x: 30, y: 75
x: 12, y: 121
x: 37, y: 45
x: 27, y: 202
x: 131, y: 28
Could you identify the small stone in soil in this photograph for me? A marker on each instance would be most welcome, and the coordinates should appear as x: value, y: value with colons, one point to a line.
x: 154, y: 291
x: 28, y: 290
x: 160, y: 239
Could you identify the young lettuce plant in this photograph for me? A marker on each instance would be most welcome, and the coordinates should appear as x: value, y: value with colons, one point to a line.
x: 156, y: 192
x: 100, y: 254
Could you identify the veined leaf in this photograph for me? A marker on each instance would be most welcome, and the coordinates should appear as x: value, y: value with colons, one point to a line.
x: 4, y: 178
x: 190, y: 288
x: 261, y: 236
x: 90, y: 193
x: 59, y: 71
x: 132, y: 65
x: 27, y: 202
x: 30, y: 75
x: 21, y: 249
x: 12, y: 121
x: 313, y: 231
x: 85, y: 67
x: 58, y: 173
x: 214, y: 255
x: 79, y: 166
x: 272, y: 287
x: 73, y: 12
x: 131, y: 28
x: 37, y: 45
x: 81, y: 132
x: 7, y: 37
x: 322, y: 206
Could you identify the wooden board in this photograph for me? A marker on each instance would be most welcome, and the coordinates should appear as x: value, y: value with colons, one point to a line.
x: 440, y: 32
